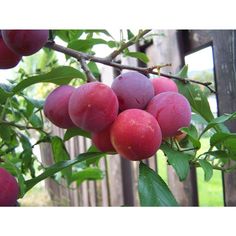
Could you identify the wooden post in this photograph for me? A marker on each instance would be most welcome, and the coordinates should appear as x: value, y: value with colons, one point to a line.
x: 225, y: 67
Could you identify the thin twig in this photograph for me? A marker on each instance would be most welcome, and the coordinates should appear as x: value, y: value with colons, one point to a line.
x: 22, y: 127
x: 127, y: 44
x: 215, y: 167
x: 146, y: 70
x: 88, y: 73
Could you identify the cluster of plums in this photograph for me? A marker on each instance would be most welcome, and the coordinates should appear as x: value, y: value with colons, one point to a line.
x: 131, y: 117
x: 17, y: 43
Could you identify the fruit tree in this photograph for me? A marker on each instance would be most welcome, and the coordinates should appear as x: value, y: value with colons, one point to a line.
x: 143, y: 111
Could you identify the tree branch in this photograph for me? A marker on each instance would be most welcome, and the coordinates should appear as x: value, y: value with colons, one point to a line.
x: 88, y: 73
x: 146, y: 70
x: 127, y: 44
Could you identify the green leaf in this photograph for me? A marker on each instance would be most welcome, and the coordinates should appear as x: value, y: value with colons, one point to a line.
x: 5, y: 92
x: 35, y: 121
x: 130, y: 34
x: 59, y: 150
x: 50, y: 171
x: 183, y: 73
x: 179, y: 161
x: 29, y: 109
x: 5, y: 132
x: 83, y: 45
x: 68, y: 35
x: 196, y: 118
x: 192, y: 135
x: 220, y: 154
x: 26, y: 154
x: 60, y: 75
x: 195, y: 96
x: 112, y: 44
x: 90, y: 173
x: 36, y: 103
x: 221, y: 138
x: 226, y: 141
x: 72, y: 132
x: 139, y: 55
x: 98, y: 31
x: 220, y: 120
x: 94, y: 69
x: 95, y: 161
x: 26, y: 145
x: 60, y: 154
x: 207, y: 168
x: 153, y: 191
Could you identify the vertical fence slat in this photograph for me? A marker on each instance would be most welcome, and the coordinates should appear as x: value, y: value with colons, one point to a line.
x: 225, y: 67
x: 115, y: 180
x: 104, y: 185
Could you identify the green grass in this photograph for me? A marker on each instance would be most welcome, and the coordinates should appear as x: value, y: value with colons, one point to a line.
x: 209, y: 193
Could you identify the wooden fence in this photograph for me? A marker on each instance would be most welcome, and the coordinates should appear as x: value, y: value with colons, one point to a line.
x: 119, y: 186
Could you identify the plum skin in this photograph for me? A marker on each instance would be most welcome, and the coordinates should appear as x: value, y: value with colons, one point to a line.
x: 8, y: 59
x: 136, y: 134
x: 93, y: 106
x: 25, y: 42
x: 56, y: 106
x: 163, y: 84
x: 9, y: 189
x: 172, y: 111
x: 133, y: 90
x: 102, y: 141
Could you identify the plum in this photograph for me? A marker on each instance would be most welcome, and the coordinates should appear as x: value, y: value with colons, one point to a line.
x: 135, y: 134
x: 93, y: 106
x: 25, y: 42
x: 9, y: 189
x: 162, y: 84
x: 8, y: 59
x: 56, y: 106
x: 172, y: 111
x: 102, y: 141
x: 133, y: 90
